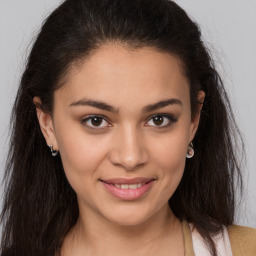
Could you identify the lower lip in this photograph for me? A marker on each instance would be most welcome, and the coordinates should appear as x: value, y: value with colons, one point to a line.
x: 128, y: 194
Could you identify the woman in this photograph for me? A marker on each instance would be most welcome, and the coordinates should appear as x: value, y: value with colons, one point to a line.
x: 122, y: 139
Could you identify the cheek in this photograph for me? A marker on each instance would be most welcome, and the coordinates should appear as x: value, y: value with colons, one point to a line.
x: 170, y: 153
x: 81, y: 154
x: 170, y: 157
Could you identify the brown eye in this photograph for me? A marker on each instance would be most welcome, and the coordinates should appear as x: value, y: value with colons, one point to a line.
x: 158, y: 120
x: 161, y: 121
x: 96, y: 122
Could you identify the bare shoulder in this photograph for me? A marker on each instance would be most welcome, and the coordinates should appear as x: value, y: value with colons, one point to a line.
x: 243, y: 240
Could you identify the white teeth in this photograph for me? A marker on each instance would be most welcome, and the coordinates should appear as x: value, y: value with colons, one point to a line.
x: 124, y: 186
x: 128, y: 186
x: 133, y: 186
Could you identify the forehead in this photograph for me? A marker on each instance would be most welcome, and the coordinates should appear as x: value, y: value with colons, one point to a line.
x: 116, y: 72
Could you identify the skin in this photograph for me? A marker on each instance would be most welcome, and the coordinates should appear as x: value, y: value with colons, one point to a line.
x: 127, y: 144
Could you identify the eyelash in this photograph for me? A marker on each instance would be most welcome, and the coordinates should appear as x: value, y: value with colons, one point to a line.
x: 171, y: 119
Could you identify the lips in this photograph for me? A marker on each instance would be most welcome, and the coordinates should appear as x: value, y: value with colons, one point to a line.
x: 128, y: 181
x: 128, y: 189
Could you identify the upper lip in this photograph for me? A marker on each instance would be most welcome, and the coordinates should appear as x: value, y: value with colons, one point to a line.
x: 128, y: 181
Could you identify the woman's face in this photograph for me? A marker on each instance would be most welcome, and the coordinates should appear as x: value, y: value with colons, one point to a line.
x: 122, y: 124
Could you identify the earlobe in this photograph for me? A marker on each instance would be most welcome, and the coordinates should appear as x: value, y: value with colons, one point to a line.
x: 196, y: 117
x: 46, y: 124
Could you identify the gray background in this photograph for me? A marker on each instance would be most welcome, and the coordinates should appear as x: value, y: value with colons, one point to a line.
x: 229, y: 29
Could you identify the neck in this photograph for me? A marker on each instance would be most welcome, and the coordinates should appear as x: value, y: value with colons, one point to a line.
x: 94, y: 235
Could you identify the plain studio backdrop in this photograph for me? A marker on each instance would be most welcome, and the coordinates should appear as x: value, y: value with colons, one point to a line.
x: 228, y: 28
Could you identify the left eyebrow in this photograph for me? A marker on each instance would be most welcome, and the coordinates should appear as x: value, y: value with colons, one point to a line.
x: 161, y: 104
x: 105, y: 106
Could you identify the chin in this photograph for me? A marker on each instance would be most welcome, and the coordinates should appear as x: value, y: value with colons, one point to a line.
x: 128, y: 217
x: 129, y: 221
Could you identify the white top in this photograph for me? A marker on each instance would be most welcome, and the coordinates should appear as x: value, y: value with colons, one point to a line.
x: 222, y: 243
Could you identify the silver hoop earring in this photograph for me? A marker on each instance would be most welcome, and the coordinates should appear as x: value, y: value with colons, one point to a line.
x: 54, y: 152
x: 190, y: 152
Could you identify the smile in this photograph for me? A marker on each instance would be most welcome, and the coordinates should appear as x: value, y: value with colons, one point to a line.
x: 128, y: 186
x: 128, y: 189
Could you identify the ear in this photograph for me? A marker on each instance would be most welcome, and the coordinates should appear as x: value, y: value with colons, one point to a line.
x: 196, y: 117
x: 46, y: 124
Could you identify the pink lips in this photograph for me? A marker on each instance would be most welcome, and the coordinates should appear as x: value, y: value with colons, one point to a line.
x: 128, y: 193
x: 128, y: 181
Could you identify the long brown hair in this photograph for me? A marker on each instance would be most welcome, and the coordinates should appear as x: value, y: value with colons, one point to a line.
x: 39, y: 206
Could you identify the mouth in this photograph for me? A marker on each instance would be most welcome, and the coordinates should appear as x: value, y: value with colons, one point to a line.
x: 128, y: 185
x: 128, y: 189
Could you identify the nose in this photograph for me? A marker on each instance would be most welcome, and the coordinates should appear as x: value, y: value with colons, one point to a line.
x: 128, y: 149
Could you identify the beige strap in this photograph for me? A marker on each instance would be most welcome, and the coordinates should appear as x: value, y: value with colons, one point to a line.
x: 242, y: 240
x: 189, y: 251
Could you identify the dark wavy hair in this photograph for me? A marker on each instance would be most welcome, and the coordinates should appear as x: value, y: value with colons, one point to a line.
x: 40, y: 207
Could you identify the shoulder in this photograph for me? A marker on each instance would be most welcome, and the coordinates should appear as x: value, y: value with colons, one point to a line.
x: 195, y: 244
x: 243, y: 240
x: 221, y: 241
x: 233, y: 240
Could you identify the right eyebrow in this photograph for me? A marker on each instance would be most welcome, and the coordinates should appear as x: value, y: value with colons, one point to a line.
x: 95, y: 104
